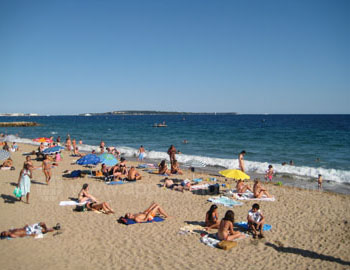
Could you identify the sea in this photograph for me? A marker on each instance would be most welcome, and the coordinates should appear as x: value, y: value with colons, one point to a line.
x: 316, y: 144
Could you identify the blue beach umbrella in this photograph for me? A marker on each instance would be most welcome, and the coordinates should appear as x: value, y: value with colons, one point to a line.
x: 89, y: 159
x: 4, y: 154
x: 53, y: 150
x: 108, y: 159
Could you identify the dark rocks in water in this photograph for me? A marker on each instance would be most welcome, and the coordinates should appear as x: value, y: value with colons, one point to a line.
x: 19, y: 124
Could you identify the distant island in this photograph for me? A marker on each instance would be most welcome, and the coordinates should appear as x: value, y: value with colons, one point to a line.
x: 157, y: 113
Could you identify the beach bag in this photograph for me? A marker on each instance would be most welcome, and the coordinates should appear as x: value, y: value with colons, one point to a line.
x: 80, y: 208
x: 99, y: 173
x: 214, y: 189
x: 227, y: 245
x: 17, y: 192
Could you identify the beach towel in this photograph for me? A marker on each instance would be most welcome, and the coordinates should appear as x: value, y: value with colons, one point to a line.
x: 244, y: 225
x: 197, y: 180
x: 209, y: 241
x: 202, y: 186
x: 69, y: 203
x: 116, y: 182
x: 144, y: 166
x: 127, y: 221
x: 250, y: 196
x: 224, y: 201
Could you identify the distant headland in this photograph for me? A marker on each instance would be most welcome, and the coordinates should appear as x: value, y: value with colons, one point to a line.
x: 157, y: 113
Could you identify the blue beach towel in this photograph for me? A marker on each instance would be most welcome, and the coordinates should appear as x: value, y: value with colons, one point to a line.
x: 198, y: 180
x: 155, y: 219
x: 116, y: 183
x: 244, y: 225
x: 224, y: 201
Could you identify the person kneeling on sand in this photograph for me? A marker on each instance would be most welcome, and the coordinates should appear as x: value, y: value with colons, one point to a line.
x: 226, y: 231
x: 258, y: 190
x: 148, y: 214
x: 103, y: 207
x: 241, y: 187
x: 256, y: 221
x: 133, y: 174
x: 84, y: 195
x: 27, y: 230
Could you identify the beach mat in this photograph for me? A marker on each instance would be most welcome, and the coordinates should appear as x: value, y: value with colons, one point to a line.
x: 127, y: 221
x: 244, y: 225
x: 250, y: 197
x: 224, y: 201
x: 69, y: 203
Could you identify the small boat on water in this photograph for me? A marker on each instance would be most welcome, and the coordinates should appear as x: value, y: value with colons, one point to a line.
x: 160, y: 124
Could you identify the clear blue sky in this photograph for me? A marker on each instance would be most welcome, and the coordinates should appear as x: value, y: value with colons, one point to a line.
x: 249, y: 56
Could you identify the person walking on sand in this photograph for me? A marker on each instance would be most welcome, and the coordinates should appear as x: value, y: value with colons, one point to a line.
x: 24, y: 181
x: 241, y: 161
x: 46, y: 166
x: 172, y: 153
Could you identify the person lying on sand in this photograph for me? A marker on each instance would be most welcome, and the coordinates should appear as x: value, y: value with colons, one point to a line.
x: 168, y: 183
x: 27, y: 230
x: 226, y: 231
x: 241, y: 187
x: 212, y: 218
x: 133, y: 174
x: 103, y: 207
x: 175, y: 169
x: 8, y: 163
x: 84, y: 195
x: 258, y: 190
x: 148, y: 214
x: 163, y: 168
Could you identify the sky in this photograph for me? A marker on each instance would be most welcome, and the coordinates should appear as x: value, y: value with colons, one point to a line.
x: 249, y: 56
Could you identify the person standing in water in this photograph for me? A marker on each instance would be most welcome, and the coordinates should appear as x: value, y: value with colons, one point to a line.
x: 241, y: 161
x: 141, y: 153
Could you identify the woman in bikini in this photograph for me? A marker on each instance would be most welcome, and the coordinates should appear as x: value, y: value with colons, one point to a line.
x: 148, y: 214
x: 163, y: 168
x: 46, y: 166
x: 100, y: 207
x: 84, y: 195
x: 212, y: 218
x: 258, y: 190
x: 226, y: 231
x: 175, y: 169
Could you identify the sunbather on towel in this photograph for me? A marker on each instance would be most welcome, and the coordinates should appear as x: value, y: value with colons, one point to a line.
x: 241, y: 187
x: 148, y: 214
x: 84, y: 194
x: 212, y: 218
x: 258, y: 190
x: 226, y: 231
x: 168, y: 183
x: 133, y: 174
x: 100, y: 207
x: 27, y: 230
x: 256, y: 221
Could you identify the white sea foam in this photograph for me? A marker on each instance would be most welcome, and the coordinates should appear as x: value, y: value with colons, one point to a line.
x: 340, y: 176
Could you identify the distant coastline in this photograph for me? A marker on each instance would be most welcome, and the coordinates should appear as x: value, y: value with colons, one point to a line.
x: 157, y: 113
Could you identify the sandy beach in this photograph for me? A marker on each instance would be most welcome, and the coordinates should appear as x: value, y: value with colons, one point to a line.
x: 310, y: 229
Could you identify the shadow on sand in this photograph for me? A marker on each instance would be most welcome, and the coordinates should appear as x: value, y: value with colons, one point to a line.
x: 9, y: 198
x: 307, y: 253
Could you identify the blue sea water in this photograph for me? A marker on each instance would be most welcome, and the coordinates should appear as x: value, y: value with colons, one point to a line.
x: 315, y: 143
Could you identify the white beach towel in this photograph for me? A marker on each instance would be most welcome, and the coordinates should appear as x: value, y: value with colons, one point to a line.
x: 211, y: 242
x: 68, y: 203
x: 250, y: 197
x: 197, y: 187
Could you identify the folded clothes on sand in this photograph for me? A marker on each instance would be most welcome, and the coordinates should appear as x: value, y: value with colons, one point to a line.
x: 224, y: 201
x: 128, y: 221
x: 67, y: 203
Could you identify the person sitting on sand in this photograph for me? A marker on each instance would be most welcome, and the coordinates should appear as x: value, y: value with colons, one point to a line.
x: 27, y: 230
x: 241, y: 187
x: 133, y: 174
x: 84, y: 195
x: 122, y: 166
x: 148, y: 214
x: 103, y: 207
x: 175, y: 169
x: 255, y: 221
x: 163, y: 168
x: 212, y: 218
x: 258, y: 190
x: 6, y: 147
x: 14, y: 147
x: 226, y: 231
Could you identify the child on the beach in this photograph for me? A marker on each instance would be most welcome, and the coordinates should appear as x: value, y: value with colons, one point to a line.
x: 319, y: 181
x: 269, y: 173
x: 256, y: 221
